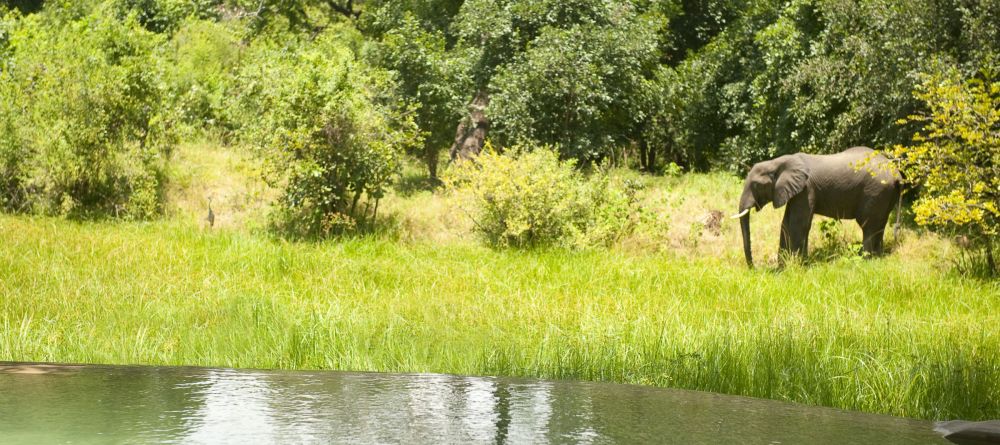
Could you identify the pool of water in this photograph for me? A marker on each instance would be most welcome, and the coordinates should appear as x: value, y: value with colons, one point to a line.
x: 112, y: 404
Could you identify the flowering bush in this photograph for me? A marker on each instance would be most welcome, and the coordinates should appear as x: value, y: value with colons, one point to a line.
x: 955, y: 159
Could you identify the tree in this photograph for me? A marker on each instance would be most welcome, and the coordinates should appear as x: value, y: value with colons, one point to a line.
x: 431, y: 81
x: 579, y: 88
x: 328, y: 127
x: 955, y: 157
x: 24, y: 6
x: 569, y: 74
x: 694, y: 23
x: 434, y: 16
x: 165, y: 15
x: 811, y: 75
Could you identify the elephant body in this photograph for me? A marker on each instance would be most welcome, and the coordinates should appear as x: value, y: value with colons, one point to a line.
x: 853, y: 184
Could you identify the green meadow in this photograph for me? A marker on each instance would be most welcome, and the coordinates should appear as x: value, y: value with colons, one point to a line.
x: 902, y: 335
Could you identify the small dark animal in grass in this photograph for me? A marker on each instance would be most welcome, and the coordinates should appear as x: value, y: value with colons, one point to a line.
x: 211, y: 215
x: 970, y: 433
x: 840, y: 186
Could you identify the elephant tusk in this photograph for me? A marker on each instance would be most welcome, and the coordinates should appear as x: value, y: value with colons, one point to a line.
x: 740, y: 215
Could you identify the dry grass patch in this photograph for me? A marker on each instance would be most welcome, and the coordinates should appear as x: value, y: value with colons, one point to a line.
x: 228, y: 176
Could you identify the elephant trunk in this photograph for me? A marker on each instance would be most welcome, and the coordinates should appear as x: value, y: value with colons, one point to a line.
x: 745, y: 227
x: 747, y: 201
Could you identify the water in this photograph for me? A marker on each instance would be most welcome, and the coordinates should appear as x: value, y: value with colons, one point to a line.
x: 107, y: 405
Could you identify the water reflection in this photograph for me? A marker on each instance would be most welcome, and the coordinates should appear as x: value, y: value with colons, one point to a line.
x: 194, y: 405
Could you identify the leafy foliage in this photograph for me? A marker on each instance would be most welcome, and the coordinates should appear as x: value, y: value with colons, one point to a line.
x: 431, y: 80
x: 328, y: 128
x: 201, y: 56
x: 955, y: 158
x: 6, y: 22
x: 24, y: 6
x: 570, y: 74
x: 433, y: 16
x: 166, y: 15
x: 276, y: 16
x: 814, y: 76
x: 581, y: 88
x: 531, y: 198
x: 83, y: 122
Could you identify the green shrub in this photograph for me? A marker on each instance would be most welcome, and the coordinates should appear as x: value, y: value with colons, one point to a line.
x: 327, y: 127
x: 6, y: 21
x: 202, y: 56
x: 531, y: 198
x: 165, y: 15
x: 955, y: 158
x: 82, y: 124
x: 834, y: 242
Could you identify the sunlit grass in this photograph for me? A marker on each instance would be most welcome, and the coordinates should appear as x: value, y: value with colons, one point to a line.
x: 890, y: 335
x: 229, y: 176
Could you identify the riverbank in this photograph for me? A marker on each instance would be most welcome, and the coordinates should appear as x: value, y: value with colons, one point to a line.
x: 893, y: 335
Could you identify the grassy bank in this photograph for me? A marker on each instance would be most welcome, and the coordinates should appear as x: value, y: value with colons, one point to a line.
x: 671, y: 304
x: 892, y: 335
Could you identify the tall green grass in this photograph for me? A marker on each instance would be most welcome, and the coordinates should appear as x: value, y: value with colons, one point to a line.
x: 887, y: 335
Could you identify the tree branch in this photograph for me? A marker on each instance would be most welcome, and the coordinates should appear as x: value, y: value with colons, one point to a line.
x: 347, y: 11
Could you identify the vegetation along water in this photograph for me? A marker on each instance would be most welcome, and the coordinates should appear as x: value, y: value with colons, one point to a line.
x: 530, y: 188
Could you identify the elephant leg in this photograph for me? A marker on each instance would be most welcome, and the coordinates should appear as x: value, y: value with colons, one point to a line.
x: 873, y: 231
x: 795, y: 226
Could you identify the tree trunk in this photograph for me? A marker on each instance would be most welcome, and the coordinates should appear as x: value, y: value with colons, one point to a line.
x: 643, y: 147
x: 471, y: 133
x: 990, y: 261
x: 431, y: 158
x: 650, y: 159
x: 354, y: 202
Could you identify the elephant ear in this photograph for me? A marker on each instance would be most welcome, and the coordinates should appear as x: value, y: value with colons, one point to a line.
x: 792, y: 179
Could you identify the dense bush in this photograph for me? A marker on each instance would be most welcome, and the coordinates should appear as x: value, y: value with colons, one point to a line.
x: 165, y: 15
x: 202, y: 56
x: 955, y: 158
x: 531, y: 198
x: 6, y: 21
x: 83, y: 127
x: 328, y: 127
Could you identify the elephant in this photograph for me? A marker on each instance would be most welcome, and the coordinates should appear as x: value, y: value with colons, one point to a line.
x: 854, y: 184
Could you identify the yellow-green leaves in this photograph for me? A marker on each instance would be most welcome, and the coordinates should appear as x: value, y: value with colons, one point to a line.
x: 955, y: 158
x: 530, y: 198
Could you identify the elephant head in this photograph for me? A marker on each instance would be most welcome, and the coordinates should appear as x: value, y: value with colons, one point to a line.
x: 775, y: 181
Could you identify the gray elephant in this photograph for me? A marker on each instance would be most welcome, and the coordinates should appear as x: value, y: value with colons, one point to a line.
x: 841, y: 186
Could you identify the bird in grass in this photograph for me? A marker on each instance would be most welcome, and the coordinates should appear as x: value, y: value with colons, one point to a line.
x: 211, y: 215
